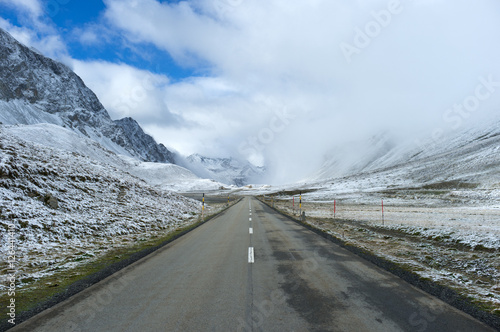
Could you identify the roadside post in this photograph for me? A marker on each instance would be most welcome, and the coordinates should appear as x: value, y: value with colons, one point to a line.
x: 203, y: 206
x: 300, y: 204
x: 334, y: 208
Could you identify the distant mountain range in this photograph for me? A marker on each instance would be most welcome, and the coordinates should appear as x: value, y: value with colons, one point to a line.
x: 226, y: 170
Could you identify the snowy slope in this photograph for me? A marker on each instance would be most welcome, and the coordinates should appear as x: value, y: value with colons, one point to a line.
x: 173, y: 177
x: 470, y: 157
x: 225, y: 170
x: 164, y: 176
x: 62, y: 138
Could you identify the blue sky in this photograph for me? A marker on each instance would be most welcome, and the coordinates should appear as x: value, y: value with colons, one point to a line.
x: 271, y: 81
x: 72, y: 16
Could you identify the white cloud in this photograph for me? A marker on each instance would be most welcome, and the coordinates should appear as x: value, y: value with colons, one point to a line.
x: 32, y: 7
x: 23, y: 35
x: 87, y: 36
x: 50, y: 45
x: 127, y: 91
x: 36, y: 30
x: 272, y: 54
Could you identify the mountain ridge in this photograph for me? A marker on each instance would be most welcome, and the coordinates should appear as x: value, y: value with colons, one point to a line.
x: 36, y: 89
x: 226, y: 170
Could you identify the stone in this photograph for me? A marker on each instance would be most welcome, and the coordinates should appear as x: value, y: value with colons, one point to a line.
x: 51, y: 201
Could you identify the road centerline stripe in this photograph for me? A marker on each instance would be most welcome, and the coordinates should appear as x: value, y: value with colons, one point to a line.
x: 251, y: 230
x: 250, y: 255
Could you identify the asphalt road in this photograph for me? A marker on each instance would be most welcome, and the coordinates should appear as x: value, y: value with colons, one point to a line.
x: 251, y: 269
x: 211, y: 197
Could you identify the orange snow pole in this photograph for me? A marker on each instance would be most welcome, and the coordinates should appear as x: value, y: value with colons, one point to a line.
x: 300, y: 203
x: 203, y: 205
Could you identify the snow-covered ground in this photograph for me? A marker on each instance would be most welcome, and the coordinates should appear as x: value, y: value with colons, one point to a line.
x: 66, y: 199
x: 469, y: 226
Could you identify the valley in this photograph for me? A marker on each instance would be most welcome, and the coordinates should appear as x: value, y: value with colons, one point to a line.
x: 85, y: 197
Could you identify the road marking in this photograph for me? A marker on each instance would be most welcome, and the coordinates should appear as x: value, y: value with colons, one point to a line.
x: 250, y: 255
x: 249, y: 219
x: 251, y: 230
x: 250, y: 213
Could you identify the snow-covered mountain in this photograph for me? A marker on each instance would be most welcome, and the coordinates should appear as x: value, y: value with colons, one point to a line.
x: 465, y: 159
x: 225, y: 170
x: 354, y: 157
x: 35, y: 89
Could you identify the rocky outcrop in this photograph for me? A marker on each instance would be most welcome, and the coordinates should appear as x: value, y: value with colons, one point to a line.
x: 36, y: 89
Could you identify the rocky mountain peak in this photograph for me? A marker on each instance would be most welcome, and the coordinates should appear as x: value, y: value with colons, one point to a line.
x: 36, y: 89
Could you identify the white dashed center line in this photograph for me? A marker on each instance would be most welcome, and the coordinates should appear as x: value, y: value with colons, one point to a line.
x: 250, y: 255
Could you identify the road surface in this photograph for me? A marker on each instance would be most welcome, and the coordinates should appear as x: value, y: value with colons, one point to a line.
x: 251, y: 269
